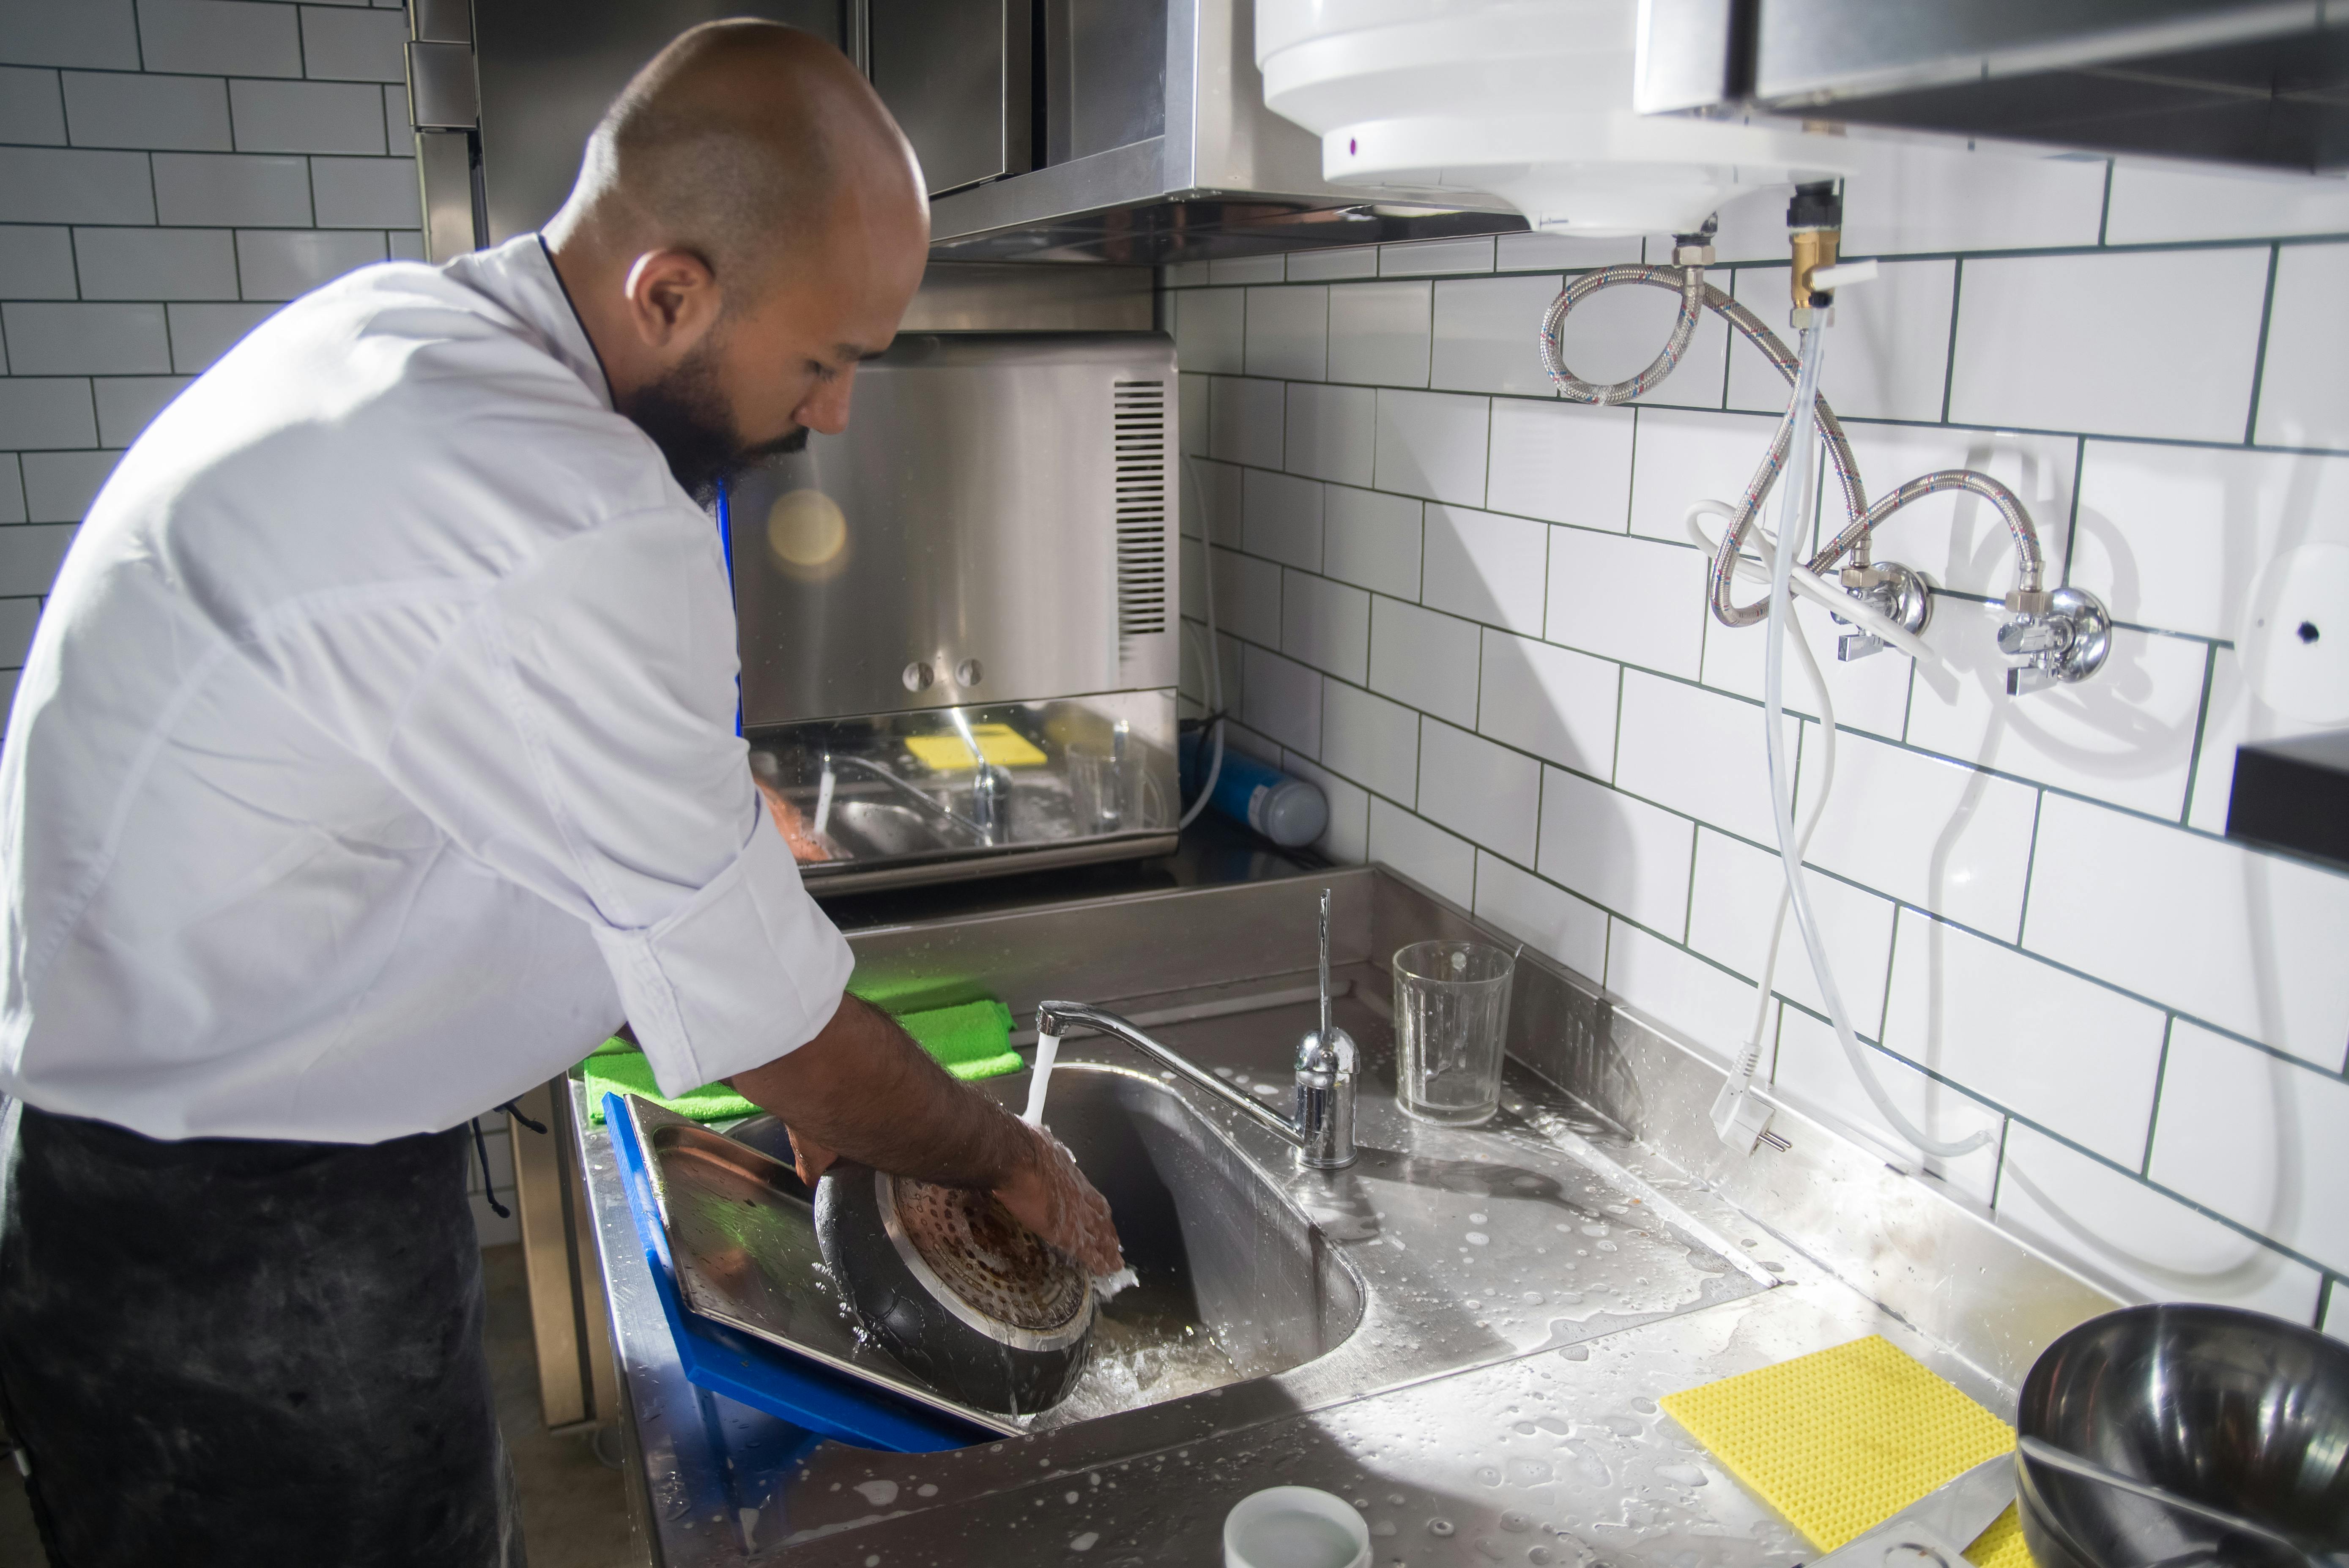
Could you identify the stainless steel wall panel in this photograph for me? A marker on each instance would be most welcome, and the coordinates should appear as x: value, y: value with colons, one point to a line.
x: 957, y: 75
x: 549, y: 68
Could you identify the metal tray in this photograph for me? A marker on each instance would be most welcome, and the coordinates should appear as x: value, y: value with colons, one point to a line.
x: 742, y: 1235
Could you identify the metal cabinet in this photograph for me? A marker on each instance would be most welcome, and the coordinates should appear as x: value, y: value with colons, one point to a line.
x: 957, y: 75
x: 570, y: 1312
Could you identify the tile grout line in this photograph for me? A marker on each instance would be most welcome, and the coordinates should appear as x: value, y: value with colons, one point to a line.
x: 2072, y: 522
x: 2161, y: 1077
x: 1949, y: 355
x: 2260, y: 353
x: 2030, y: 869
x: 2201, y: 732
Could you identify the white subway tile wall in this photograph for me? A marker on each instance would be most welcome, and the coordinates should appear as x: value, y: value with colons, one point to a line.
x: 1501, y: 670
x: 169, y: 173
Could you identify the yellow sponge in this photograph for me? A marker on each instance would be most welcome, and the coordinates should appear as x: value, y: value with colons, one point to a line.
x: 998, y: 743
x: 1842, y: 1439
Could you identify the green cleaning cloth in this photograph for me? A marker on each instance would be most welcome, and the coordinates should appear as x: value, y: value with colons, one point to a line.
x: 971, y: 1041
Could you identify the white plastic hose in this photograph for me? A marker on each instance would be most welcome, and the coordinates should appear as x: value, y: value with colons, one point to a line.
x: 1795, y: 509
x: 1215, y: 655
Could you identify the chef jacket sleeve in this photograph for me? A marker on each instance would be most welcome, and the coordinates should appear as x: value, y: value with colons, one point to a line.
x: 572, y: 730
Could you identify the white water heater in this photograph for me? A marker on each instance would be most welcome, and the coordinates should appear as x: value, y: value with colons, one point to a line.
x: 1529, y: 100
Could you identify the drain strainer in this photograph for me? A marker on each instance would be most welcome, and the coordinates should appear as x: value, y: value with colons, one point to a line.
x: 996, y: 1265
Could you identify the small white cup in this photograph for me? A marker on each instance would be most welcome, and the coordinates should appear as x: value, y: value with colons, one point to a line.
x: 1294, y: 1527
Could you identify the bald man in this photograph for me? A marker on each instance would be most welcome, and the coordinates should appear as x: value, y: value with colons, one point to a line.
x: 375, y: 758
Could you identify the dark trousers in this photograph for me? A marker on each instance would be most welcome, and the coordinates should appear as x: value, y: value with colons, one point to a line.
x: 247, y: 1352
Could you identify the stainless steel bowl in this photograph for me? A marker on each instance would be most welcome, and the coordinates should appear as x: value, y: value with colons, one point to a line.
x: 2231, y: 1409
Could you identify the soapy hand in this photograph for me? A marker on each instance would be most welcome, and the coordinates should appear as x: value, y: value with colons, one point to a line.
x: 1052, y: 1197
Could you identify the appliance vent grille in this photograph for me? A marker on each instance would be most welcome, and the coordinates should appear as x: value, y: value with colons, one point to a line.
x: 1138, y: 418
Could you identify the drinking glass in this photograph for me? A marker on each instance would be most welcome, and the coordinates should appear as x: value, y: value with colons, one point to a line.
x: 1098, y: 787
x: 1451, y: 1018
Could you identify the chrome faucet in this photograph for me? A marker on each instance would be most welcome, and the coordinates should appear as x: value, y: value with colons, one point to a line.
x: 1328, y: 1065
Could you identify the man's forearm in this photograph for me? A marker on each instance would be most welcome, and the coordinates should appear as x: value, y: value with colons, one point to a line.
x: 864, y: 1088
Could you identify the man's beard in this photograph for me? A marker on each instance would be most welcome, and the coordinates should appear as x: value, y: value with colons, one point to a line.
x: 688, y: 421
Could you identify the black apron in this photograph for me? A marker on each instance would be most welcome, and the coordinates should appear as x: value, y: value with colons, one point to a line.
x: 230, y: 1351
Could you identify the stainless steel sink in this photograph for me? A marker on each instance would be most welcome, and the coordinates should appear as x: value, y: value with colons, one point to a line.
x: 871, y: 829
x: 1236, y: 1282
x: 1467, y: 1330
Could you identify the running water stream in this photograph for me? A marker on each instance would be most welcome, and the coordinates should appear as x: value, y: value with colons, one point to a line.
x: 1048, y: 1048
x: 1048, y: 1051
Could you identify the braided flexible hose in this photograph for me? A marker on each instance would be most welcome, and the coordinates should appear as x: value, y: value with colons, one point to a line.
x: 1861, y: 520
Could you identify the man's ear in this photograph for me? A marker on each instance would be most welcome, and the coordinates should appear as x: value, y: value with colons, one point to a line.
x: 673, y: 299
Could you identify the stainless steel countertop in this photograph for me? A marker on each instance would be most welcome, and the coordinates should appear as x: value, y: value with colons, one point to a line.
x: 1536, y: 1439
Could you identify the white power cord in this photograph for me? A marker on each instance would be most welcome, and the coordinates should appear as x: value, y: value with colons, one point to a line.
x: 1215, y: 655
x: 1795, y: 507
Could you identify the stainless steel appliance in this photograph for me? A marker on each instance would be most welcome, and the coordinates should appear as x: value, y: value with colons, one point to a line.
x: 2263, y: 83
x: 959, y: 629
x: 1127, y: 131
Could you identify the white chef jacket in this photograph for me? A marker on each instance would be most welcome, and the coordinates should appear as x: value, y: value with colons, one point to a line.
x: 375, y: 753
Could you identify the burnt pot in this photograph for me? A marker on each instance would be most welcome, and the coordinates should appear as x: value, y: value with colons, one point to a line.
x: 990, y: 1315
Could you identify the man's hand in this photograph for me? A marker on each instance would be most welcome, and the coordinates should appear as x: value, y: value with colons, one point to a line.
x: 1052, y: 1197
x: 809, y: 1157
x: 862, y: 1091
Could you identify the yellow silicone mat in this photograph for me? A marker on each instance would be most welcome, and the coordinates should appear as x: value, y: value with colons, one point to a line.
x: 998, y: 743
x: 1842, y: 1439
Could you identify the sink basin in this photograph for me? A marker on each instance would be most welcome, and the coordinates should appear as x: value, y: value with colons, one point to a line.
x: 876, y: 830
x: 1235, y: 1282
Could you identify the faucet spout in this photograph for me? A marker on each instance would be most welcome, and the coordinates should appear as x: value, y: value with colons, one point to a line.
x: 1322, y: 1133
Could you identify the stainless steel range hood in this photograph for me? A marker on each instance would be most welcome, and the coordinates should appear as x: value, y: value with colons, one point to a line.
x: 1155, y: 146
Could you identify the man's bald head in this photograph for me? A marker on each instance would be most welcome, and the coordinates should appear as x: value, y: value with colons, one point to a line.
x: 749, y: 223
x: 742, y: 141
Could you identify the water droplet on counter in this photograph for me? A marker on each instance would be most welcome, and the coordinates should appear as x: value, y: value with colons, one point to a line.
x: 927, y: 1489
x: 1477, y: 1238
x: 1394, y: 1499
x: 1576, y: 1353
x: 1594, y: 1229
x: 1538, y: 1554
x: 1488, y: 1475
x: 1682, y: 1475
x: 1516, y: 1522
x: 1476, y: 1218
x: 1439, y: 1527
x: 879, y: 1494
x: 1084, y: 1542
x: 1069, y: 1497
x: 1645, y: 1406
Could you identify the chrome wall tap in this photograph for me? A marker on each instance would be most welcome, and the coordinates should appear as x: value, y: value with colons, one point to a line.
x: 1897, y: 592
x: 2057, y: 635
